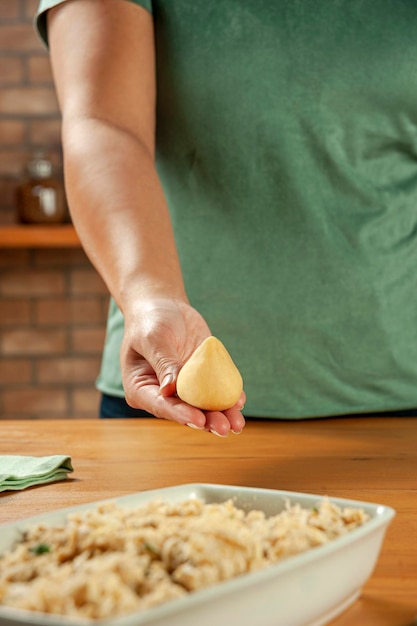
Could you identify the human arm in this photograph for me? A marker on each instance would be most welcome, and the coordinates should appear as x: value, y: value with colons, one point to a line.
x: 102, y: 56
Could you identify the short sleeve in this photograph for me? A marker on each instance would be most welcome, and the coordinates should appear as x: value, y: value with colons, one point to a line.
x: 45, y: 5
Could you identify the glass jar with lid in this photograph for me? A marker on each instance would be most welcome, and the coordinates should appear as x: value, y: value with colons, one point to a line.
x: 40, y: 197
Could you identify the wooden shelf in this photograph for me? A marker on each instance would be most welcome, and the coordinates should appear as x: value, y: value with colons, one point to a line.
x: 37, y: 236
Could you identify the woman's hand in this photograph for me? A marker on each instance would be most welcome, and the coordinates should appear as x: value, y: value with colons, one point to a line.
x: 160, y: 335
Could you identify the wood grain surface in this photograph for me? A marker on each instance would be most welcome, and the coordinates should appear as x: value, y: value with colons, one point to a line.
x: 371, y: 459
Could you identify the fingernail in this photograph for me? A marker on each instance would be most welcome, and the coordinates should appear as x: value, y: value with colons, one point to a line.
x: 214, y: 432
x: 236, y: 432
x: 191, y: 425
x: 167, y: 380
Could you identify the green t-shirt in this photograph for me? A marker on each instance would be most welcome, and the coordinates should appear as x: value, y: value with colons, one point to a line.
x: 287, y: 148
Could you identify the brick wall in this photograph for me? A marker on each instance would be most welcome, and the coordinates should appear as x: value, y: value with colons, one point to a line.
x: 53, y: 308
x: 53, y: 304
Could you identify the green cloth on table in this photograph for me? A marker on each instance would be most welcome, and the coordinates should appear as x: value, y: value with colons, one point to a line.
x: 19, y: 472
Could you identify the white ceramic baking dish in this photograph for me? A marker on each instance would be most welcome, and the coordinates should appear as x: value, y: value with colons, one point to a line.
x: 308, y: 589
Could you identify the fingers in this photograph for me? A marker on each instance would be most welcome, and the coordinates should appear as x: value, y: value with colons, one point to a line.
x: 231, y: 420
x: 218, y: 423
x: 149, y: 398
x: 222, y: 423
x: 168, y: 385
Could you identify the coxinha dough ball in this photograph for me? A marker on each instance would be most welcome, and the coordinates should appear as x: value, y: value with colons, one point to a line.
x: 209, y: 380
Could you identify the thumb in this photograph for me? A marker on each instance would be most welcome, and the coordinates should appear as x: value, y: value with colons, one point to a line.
x: 168, y: 385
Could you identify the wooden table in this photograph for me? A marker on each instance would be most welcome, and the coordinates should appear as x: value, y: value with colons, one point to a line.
x: 371, y: 459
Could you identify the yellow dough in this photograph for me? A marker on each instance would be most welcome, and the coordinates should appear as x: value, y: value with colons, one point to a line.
x: 209, y: 380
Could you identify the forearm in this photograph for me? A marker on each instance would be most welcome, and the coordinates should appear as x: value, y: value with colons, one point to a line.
x: 118, y: 207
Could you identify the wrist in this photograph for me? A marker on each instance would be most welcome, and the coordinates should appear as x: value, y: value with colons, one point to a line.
x: 145, y: 293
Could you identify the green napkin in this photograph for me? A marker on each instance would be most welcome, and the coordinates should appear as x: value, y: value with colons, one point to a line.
x: 19, y: 472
